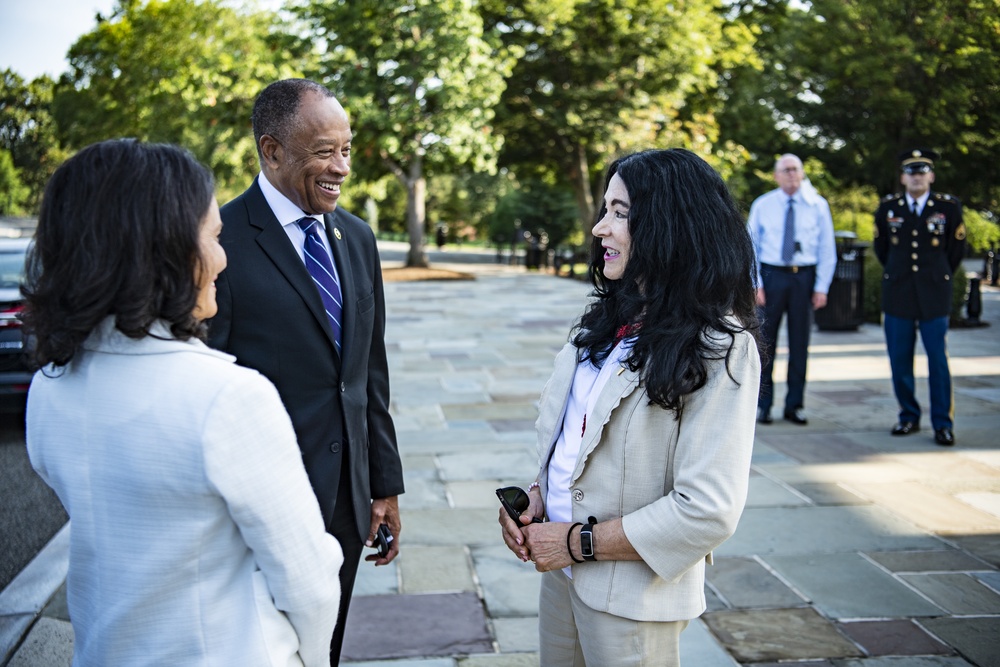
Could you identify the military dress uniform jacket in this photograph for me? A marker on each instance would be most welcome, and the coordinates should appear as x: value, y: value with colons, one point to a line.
x: 919, y: 253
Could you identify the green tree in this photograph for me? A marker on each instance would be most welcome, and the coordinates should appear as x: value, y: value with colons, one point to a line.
x: 603, y: 76
x: 28, y: 136
x: 420, y: 80
x: 13, y: 192
x: 860, y: 80
x: 179, y: 71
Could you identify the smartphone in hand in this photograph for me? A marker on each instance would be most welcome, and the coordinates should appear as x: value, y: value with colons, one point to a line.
x: 383, y: 538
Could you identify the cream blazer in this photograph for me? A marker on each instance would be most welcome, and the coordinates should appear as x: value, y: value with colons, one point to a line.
x: 195, y: 538
x: 679, y: 486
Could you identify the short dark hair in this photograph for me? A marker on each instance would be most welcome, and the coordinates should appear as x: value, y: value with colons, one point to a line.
x: 118, y: 235
x: 690, y: 271
x: 274, y: 110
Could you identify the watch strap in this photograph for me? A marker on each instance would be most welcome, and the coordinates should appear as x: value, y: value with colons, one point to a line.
x: 587, y: 547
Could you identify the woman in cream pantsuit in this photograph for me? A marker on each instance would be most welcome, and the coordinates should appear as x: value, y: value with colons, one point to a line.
x: 195, y: 537
x: 646, y: 426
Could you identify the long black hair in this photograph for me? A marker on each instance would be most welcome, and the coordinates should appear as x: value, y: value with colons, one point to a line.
x: 117, y: 235
x: 690, y: 272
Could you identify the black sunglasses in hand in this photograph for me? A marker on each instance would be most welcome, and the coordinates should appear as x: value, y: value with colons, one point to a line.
x: 515, y: 500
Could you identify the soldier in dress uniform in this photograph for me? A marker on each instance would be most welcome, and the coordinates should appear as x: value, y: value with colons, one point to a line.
x: 920, y: 241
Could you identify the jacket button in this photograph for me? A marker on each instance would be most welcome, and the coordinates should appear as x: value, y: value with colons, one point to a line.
x: 914, y: 232
x: 915, y: 268
x: 343, y: 387
x: 915, y: 245
x: 913, y: 256
x: 335, y: 448
x: 577, y: 495
x: 885, y: 276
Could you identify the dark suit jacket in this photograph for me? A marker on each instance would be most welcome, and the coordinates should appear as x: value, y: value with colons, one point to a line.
x: 271, y: 318
x: 920, y: 254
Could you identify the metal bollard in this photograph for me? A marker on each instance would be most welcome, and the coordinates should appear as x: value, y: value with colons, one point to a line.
x: 974, y: 302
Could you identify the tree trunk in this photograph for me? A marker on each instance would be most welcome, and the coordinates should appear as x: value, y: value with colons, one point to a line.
x: 416, y: 196
x: 580, y: 177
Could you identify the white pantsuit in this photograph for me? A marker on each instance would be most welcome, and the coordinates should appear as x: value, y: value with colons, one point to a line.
x: 195, y: 537
x: 679, y: 485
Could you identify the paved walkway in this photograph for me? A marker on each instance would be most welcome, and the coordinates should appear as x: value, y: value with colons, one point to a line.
x: 857, y: 549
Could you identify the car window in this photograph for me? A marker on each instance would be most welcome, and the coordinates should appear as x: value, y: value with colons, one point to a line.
x: 11, y: 269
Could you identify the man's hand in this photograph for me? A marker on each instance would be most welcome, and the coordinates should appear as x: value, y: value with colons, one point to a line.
x: 819, y: 300
x: 384, y: 510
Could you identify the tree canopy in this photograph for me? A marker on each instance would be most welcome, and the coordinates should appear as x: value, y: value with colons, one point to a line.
x: 420, y: 80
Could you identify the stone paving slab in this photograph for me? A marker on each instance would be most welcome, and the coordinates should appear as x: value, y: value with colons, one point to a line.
x: 510, y: 587
x: 976, y: 639
x: 826, y: 493
x: 778, y: 634
x: 991, y: 579
x: 764, y: 492
x: 848, y: 586
x: 928, y: 508
x: 894, y: 637
x: 451, y: 527
x: 435, y: 625
x: 465, y: 466
x: 700, y: 648
x: 819, y: 447
x: 435, y: 570
x: 818, y: 530
x: 50, y: 643
x: 927, y: 561
x: 743, y: 583
x: 904, y: 661
x: 956, y: 593
x: 517, y: 634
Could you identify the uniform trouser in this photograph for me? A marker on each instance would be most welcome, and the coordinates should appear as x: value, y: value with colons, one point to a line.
x: 344, y: 527
x: 900, y: 341
x: 571, y: 634
x: 786, y: 292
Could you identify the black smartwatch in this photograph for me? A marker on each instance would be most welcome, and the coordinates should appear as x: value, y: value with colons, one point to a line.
x: 587, y: 539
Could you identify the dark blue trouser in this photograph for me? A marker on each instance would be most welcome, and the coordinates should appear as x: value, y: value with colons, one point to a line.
x: 786, y: 292
x: 900, y: 341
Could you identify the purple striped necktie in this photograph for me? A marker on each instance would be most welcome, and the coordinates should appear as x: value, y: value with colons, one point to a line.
x: 320, y: 267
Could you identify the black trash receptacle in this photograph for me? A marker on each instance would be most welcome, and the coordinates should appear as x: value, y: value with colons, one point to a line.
x: 844, y: 304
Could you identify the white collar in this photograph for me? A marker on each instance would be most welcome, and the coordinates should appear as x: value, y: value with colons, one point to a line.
x: 284, y: 210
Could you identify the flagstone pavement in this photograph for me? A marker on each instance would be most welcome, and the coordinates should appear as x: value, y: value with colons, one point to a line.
x: 856, y: 549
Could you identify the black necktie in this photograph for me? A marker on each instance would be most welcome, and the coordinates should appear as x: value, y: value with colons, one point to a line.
x: 788, y: 245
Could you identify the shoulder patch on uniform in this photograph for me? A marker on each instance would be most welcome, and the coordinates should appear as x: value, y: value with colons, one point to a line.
x: 960, y: 232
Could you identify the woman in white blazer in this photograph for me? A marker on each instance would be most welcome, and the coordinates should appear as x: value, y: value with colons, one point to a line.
x: 195, y: 537
x: 646, y: 427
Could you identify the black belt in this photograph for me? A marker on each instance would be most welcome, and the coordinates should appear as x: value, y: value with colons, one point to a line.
x: 788, y: 269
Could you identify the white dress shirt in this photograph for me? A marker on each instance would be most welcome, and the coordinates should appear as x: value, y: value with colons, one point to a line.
x: 814, y: 239
x: 288, y: 214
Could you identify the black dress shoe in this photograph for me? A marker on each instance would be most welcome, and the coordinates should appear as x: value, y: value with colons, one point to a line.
x: 796, y: 416
x: 764, y: 416
x: 944, y: 436
x: 905, y: 428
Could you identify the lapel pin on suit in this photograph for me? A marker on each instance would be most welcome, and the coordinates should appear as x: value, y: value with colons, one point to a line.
x: 336, y: 232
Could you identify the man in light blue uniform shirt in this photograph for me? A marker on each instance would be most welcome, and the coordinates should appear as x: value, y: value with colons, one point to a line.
x: 792, y: 232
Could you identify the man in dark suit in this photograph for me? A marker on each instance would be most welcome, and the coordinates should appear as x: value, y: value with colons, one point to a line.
x: 324, y: 353
x: 920, y: 240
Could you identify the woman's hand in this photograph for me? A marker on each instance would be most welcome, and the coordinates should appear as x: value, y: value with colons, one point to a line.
x: 513, y: 534
x: 547, y: 545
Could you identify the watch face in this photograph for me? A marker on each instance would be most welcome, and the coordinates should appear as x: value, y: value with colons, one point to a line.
x: 587, y: 543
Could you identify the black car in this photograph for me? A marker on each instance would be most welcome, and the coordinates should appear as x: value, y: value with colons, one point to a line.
x: 15, y: 372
